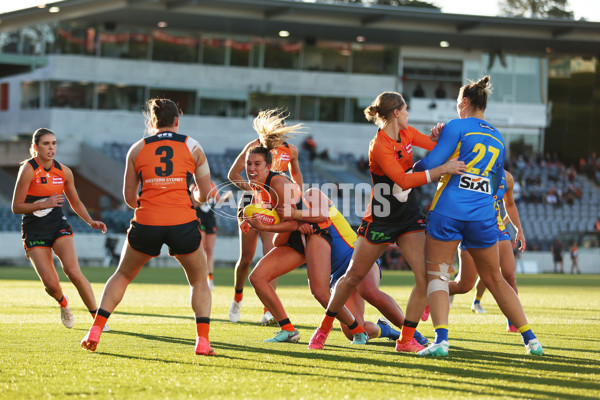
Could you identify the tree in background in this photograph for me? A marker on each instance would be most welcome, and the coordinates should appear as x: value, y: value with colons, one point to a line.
x: 536, y: 8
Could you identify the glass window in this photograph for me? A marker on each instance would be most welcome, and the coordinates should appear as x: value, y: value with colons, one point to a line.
x: 213, y: 50
x: 120, y: 97
x: 185, y: 99
x: 327, y: 56
x: 263, y: 101
x: 240, y: 51
x: 174, y: 46
x: 221, y: 107
x: 500, y: 69
x: 123, y: 44
x: 332, y: 109
x: 282, y: 54
x: 30, y: 95
x: 9, y: 42
x: 374, y: 59
x: 75, y: 40
x: 69, y: 94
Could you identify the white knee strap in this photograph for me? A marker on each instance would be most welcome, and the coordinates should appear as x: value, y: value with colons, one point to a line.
x: 443, y: 273
x: 437, y: 285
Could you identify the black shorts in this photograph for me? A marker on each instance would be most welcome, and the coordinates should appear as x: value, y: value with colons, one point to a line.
x: 208, y: 221
x: 297, y: 243
x: 245, y: 200
x: 379, y: 233
x: 181, y: 239
x: 36, y: 238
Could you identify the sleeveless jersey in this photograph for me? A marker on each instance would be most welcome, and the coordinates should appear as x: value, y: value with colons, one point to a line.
x: 468, y: 197
x: 390, y: 164
x: 44, y: 184
x: 282, y: 156
x: 163, y: 165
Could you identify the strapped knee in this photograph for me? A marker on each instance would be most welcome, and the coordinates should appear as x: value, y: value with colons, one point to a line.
x: 441, y: 284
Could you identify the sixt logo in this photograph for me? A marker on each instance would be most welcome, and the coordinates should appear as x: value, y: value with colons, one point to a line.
x: 475, y: 183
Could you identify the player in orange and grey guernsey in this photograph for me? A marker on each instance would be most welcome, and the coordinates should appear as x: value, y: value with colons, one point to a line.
x: 272, y: 134
x: 41, y: 188
x: 156, y: 187
x: 393, y: 215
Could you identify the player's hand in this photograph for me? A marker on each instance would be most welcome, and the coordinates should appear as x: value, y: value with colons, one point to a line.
x: 521, y: 237
x: 454, y: 167
x: 98, y: 225
x: 435, y: 131
x: 286, y: 212
x: 256, y: 223
x: 305, y: 228
x: 244, y: 226
x: 56, y: 200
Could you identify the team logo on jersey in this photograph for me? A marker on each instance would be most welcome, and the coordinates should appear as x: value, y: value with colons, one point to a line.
x: 408, y: 148
x: 475, y: 183
x: 41, y: 180
x: 486, y: 126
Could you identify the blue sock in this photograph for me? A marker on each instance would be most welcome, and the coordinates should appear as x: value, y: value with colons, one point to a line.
x: 527, y: 336
x: 388, y: 332
x: 441, y: 334
x: 508, y: 322
x: 476, y: 301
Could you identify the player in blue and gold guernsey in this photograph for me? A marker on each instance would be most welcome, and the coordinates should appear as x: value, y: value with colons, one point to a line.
x: 41, y: 188
x: 463, y: 209
x: 466, y: 278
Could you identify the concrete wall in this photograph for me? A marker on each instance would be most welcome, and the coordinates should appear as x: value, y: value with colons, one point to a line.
x: 90, y: 248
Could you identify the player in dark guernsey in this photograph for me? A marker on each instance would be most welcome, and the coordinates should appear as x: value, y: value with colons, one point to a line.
x: 393, y: 215
x: 156, y: 187
x: 272, y: 133
x: 42, y: 186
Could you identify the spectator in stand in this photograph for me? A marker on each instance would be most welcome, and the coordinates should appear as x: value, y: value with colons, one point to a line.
x: 419, y: 92
x: 310, y: 145
x: 363, y: 164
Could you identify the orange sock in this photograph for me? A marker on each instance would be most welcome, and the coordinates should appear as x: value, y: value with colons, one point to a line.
x: 408, y: 331
x: 63, y: 302
x: 100, y: 321
x: 327, y: 322
x: 356, y: 330
x: 238, y: 296
x: 210, y: 277
x: 286, y: 325
x: 202, y: 327
x: 265, y: 309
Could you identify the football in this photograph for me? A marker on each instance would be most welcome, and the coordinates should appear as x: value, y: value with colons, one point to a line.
x: 266, y: 216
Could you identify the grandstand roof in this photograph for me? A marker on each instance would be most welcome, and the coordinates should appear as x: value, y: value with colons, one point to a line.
x: 405, y: 26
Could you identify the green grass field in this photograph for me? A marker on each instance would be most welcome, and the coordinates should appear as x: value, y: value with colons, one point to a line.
x: 149, y: 352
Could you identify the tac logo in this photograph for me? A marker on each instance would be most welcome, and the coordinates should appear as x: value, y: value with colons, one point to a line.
x: 475, y: 183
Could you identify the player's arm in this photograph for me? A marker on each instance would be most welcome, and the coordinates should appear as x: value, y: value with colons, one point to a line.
x: 424, y: 141
x: 512, y: 214
x: 317, y: 212
x: 201, y: 175
x: 76, y: 203
x: 20, y: 194
x: 295, y: 167
x: 282, y: 227
x: 235, y: 172
x: 131, y: 180
x: 437, y: 162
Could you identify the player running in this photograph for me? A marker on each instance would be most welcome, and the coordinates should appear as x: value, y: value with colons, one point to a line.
x: 156, y: 188
x: 40, y: 190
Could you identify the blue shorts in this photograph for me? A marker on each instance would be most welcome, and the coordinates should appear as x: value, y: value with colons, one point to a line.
x: 474, y: 234
x: 502, y: 235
